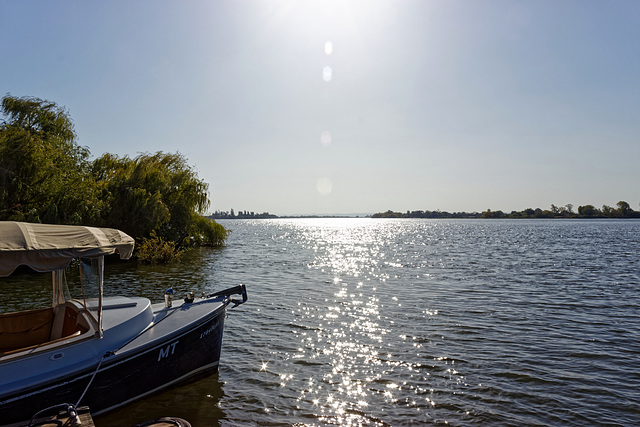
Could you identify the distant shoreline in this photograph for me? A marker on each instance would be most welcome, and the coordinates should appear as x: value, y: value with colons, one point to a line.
x: 266, y: 215
x: 272, y: 216
x: 623, y: 210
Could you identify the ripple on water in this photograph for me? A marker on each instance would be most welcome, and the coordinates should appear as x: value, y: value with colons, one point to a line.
x: 414, y: 322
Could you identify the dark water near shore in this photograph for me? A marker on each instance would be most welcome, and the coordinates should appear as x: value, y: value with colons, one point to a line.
x: 413, y: 322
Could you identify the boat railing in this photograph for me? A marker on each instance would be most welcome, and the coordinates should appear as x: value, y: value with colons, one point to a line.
x: 235, y: 290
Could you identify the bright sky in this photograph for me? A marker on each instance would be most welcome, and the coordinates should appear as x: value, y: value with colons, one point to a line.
x: 302, y: 107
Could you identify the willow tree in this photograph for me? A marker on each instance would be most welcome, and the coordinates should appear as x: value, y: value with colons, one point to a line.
x: 42, y: 167
x: 46, y: 176
x: 158, y: 193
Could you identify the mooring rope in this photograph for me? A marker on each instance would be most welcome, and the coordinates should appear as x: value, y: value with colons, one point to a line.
x: 109, y: 353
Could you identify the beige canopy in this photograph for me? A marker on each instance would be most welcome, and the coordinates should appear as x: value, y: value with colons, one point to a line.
x: 46, y: 247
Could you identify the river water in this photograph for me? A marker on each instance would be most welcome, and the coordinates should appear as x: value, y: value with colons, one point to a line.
x: 412, y: 322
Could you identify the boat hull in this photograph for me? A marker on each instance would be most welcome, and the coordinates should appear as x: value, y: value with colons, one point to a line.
x: 125, y: 376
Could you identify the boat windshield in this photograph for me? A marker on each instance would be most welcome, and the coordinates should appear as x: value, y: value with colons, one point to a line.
x: 91, y: 277
x: 27, y: 289
x: 90, y: 286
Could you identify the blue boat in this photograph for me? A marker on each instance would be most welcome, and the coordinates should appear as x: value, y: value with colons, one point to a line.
x: 91, y: 350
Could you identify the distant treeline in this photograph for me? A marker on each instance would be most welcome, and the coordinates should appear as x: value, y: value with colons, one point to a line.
x: 241, y: 215
x: 426, y: 214
x: 623, y: 210
x: 267, y: 215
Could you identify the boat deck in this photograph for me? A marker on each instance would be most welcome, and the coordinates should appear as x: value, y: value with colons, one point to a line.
x: 171, y: 320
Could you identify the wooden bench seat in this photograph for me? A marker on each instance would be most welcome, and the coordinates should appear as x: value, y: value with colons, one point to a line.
x: 31, y: 328
x: 25, y: 328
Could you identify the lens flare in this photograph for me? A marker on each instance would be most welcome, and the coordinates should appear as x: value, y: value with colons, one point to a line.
x: 328, y: 48
x: 324, y: 186
x: 325, y: 138
x: 327, y: 74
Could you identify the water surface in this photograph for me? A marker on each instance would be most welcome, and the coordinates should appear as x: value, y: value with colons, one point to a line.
x: 413, y: 322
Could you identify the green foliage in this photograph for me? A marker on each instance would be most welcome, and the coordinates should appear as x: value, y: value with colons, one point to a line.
x: 150, y: 192
x: 207, y: 232
x: 624, y: 210
x: 495, y: 214
x: 45, y: 176
x: 588, y: 211
x: 425, y: 214
x: 38, y: 116
x: 607, y: 211
x: 156, y: 250
x: 42, y: 168
x: 387, y: 214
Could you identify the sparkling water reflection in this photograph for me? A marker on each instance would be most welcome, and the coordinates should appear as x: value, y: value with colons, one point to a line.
x: 413, y: 322
x: 459, y: 322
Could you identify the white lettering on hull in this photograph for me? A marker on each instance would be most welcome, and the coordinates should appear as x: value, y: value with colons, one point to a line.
x: 207, y: 332
x: 167, y: 351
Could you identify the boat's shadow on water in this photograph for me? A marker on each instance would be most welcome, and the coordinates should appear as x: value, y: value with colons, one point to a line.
x: 196, y: 401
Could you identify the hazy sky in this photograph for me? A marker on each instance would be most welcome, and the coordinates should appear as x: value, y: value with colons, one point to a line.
x: 300, y: 107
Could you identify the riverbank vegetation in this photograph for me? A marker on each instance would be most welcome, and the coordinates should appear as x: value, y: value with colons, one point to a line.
x: 46, y: 176
x: 622, y: 210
